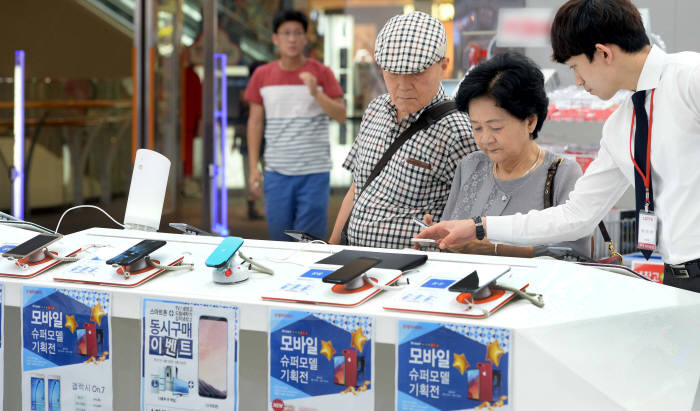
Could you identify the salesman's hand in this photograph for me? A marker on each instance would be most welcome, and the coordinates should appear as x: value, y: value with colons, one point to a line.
x: 454, y: 234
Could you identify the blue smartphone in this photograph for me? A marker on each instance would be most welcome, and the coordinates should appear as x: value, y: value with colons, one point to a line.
x: 226, y: 249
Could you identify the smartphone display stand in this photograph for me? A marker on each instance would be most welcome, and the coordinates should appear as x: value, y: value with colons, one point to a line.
x: 137, y: 267
x: 232, y: 272
x: 356, y: 283
x: 38, y: 255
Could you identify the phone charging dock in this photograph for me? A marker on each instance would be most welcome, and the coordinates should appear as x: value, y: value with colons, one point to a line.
x: 232, y: 272
x: 139, y: 265
x: 356, y: 283
x: 36, y: 256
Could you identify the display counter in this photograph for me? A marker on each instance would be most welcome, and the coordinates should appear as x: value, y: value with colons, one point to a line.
x: 602, y: 341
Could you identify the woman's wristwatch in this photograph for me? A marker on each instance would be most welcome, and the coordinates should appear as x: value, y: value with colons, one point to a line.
x: 479, y: 225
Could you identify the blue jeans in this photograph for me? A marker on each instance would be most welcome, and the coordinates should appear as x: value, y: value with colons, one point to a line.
x: 296, y: 203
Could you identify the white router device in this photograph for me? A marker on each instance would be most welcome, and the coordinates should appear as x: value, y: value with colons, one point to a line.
x: 147, y: 191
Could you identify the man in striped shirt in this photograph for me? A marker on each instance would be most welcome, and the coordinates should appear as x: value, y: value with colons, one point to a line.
x: 294, y: 98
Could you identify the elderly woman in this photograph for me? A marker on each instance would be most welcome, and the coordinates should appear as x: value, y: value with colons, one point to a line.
x: 507, y: 105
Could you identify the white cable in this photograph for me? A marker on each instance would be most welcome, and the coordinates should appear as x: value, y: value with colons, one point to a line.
x: 256, y: 265
x: 293, y: 253
x: 86, y: 206
x: 178, y: 267
x: 534, y: 298
x: 386, y: 287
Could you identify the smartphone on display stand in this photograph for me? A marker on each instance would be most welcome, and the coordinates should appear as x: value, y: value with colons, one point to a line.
x: 473, y: 384
x: 54, y: 397
x: 37, y: 393
x: 302, y: 236
x: 136, y: 252
x: 351, y: 270
x: 468, y: 284
x: 485, y: 381
x: 212, y: 357
x: 32, y: 245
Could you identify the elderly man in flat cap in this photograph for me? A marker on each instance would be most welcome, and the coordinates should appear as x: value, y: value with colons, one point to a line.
x: 417, y: 135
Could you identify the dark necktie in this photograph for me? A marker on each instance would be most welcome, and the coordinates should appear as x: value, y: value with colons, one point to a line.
x: 641, y: 135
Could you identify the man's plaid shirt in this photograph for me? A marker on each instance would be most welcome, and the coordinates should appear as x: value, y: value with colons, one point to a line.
x: 417, y: 179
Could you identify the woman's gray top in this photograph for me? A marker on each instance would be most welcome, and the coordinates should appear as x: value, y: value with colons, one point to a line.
x: 475, y: 192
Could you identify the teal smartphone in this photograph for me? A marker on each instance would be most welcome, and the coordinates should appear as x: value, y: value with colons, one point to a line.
x: 226, y: 249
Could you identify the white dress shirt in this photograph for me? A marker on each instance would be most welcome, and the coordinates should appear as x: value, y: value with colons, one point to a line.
x: 675, y: 166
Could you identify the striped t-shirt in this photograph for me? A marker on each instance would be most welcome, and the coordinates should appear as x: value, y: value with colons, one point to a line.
x: 296, y: 128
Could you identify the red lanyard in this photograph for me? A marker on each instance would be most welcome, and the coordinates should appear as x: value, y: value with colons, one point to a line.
x: 646, y: 177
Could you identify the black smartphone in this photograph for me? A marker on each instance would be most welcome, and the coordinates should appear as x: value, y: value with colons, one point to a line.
x: 190, y: 229
x: 30, y: 246
x: 136, y: 252
x: 302, y: 236
x: 351, y: 270
x: 468, y: 284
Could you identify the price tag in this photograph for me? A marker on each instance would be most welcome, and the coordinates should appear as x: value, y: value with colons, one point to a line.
x: 646, y: 234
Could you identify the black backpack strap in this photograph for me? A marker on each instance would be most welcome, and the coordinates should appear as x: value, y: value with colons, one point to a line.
x: 427, y: 118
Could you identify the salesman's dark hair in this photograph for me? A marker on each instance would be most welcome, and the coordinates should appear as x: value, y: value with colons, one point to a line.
x: 284, y: 16
x: 514, y: 81
x: 581, y: 24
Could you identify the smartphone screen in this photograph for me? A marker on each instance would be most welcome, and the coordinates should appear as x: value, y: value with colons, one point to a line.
x: 213, y: 356
x: 37, y: 394
x: 32, y: 245
x: 54, y: 393
x: 473, y: 384
x: 349, y: 271
x: 467, y: 284
x: 82, y: 341
x: 136, y: 252
x: 339, y: 369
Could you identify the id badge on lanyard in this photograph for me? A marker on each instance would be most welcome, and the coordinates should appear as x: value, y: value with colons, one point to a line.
x: 648, y: 221
x: 646, y: 233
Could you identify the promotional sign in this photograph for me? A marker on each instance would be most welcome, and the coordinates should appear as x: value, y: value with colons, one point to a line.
x: 66, y: 357
x: 190, y: 356
x: 524, y: 27
x: 452, y: 367
x: 321, y: 361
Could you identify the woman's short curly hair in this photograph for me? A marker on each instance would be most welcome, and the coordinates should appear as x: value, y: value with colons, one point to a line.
x: 514, y: 81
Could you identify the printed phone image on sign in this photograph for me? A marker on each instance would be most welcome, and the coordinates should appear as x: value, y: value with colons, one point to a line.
x: 54, y: 395
x: 38, y: 401
x: 473, y: 384
x: 213, y: 357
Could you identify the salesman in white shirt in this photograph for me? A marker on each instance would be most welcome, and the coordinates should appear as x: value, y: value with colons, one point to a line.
x: 605, y: 45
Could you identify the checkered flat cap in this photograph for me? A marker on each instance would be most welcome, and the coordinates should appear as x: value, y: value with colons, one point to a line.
x: 410, y: 43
